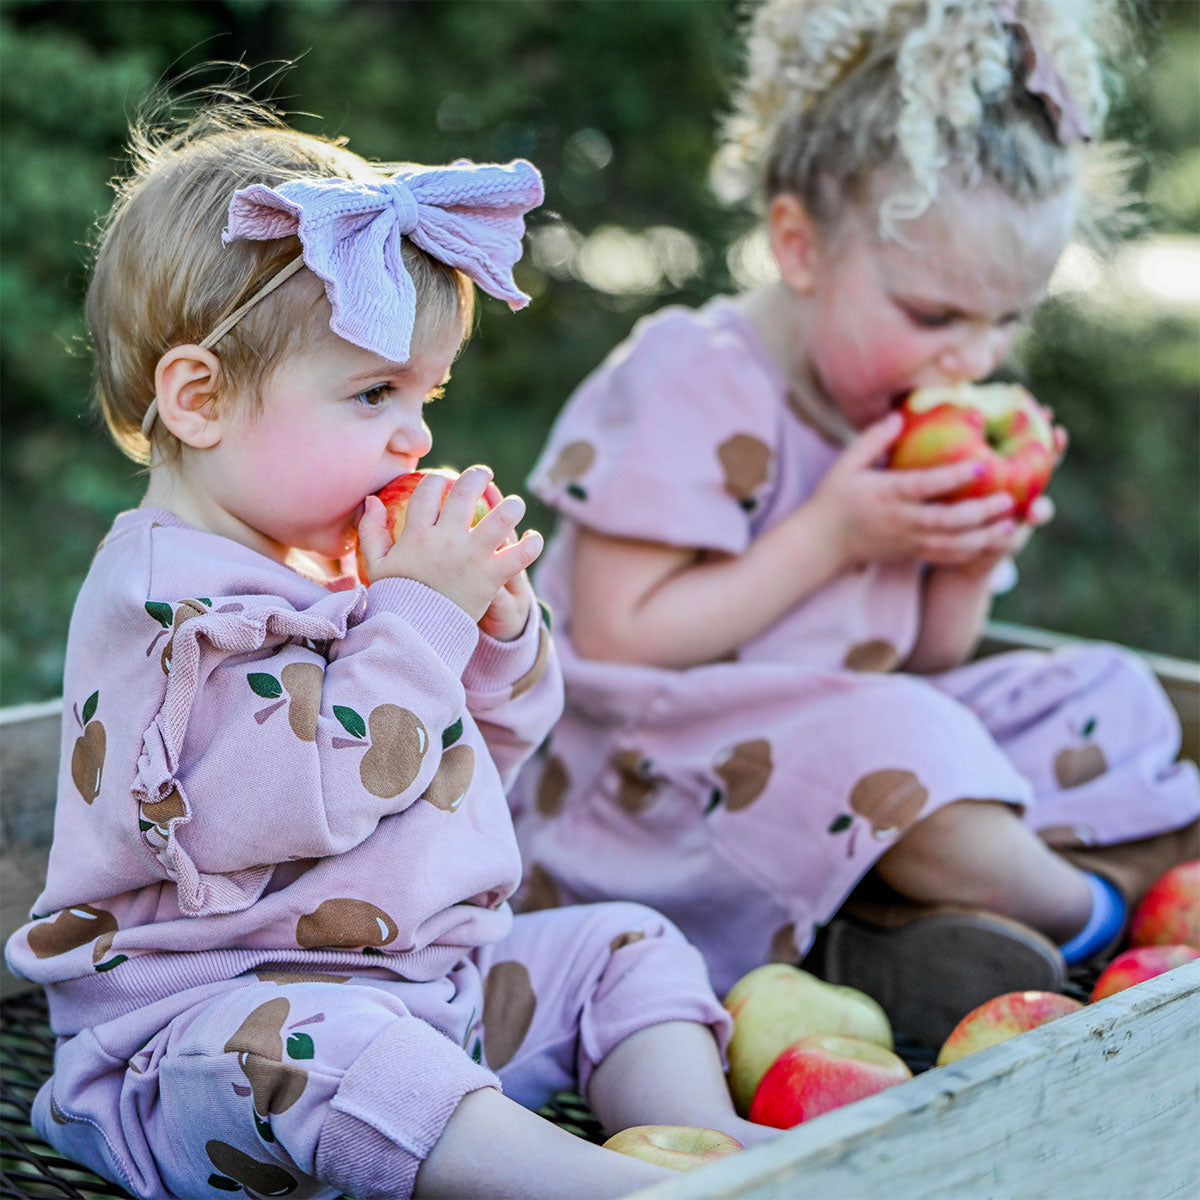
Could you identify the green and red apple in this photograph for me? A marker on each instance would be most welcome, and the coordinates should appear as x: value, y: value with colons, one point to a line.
x: 679, y: 1147
x: 997, y: 425
x: 815, y: 1075
x: 1169, y: 913
x: 776, y: 1004
x: 1138, y: 964
x: 398, y: 493
x: 1003, y: 1017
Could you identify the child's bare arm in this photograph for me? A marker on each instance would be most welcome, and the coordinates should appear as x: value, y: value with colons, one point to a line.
x: 669, y: 606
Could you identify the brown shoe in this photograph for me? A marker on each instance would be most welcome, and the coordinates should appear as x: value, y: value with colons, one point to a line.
x: 932, y: 970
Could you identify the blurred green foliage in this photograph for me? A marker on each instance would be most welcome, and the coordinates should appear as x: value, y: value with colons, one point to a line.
x: 615, y: 101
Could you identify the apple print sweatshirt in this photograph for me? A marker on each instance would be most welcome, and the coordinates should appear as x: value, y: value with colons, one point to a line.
x: 259, y: 769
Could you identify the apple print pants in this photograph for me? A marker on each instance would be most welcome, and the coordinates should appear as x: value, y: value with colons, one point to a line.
x: 318, y: 1084
x: 746, y: 800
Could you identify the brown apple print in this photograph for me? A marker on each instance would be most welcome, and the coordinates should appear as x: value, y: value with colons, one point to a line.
x: 538, y: 891
x: 87, y: 758
x: 635, y: 785
x: 170, y: 620
x: 258, y: 1042
x: 745, y: 771
x: 783, y: 945
x: 746, y: 463
x: 100, y: 953
x: 1076, y: 765
x: 629, y: 938
x: 398, y: 745
x: 889, y: 800
x: 157, y: 815
x: 302, y: 683
x: 283, y: 978
x: 238, y: 1171
x: 552, y: 787
x: 508, y: 1008
x: 454, y: 774
x: 877, y: 655
x: 534, y: 674
x: 572, y: 462
x: 345, y: 923
x: 70, y: 928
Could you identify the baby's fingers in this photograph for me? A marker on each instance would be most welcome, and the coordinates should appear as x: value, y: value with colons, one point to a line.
x: 962, y: 514
x: 373, y: 538
x: 497, y: 527
x: 520, y: 555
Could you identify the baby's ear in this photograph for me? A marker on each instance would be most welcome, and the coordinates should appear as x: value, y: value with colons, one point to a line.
x: 794, y: 241
x: 185, y: 386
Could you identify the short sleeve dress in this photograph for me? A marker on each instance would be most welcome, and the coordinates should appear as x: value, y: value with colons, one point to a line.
x: 745, y: 798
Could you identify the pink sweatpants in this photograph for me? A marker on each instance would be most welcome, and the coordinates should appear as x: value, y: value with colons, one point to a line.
x: 317, y: 1085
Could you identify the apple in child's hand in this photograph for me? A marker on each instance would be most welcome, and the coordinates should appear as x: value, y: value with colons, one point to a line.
x: 774, y: 1005
x: 398, y: 493
x: 680, y: 1147
x: 815, y: 1075
x: 1001, y: 1018
x: 1169, y: 913
x: 1139, y: 964
x: 998, y: 425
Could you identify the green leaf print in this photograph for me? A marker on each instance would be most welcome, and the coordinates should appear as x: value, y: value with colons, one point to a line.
x: 264, y: 1129
x: 300, y: 1045
x: 115, y: 961
x: 477, y: 1051
x: 351, y: 722
x: 547, y: 615
x: 451, y: 734
x: 574, y: 489
x: 1088, y: 729
x: 841, y: 823
x: 226, y: 1185
x: 264, y: 685
x: 162, y: 613
x: 89, y: 706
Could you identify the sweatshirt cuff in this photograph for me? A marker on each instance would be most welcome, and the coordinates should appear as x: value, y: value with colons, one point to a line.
x: 446, y: 627
x: 496, y: 666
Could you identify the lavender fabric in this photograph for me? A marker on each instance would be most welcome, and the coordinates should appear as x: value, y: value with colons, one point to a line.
x: 466, y: 215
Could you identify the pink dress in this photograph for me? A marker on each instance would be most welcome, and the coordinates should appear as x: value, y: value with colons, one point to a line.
x: 745, y: 798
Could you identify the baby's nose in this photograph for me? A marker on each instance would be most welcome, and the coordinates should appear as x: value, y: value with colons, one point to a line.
x: 411, y: 438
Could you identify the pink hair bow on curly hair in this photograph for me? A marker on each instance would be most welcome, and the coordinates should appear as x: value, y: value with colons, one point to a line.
x: 468, y: 216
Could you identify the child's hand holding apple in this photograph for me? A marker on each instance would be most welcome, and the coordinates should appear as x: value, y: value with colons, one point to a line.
x: 455, y: 534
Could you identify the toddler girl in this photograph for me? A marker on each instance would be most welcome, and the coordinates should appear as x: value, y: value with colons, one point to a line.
x: 275, y: 933
x: 762, y: 631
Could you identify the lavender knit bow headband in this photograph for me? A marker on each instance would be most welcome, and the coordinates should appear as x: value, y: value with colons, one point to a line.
x: 468, y: 216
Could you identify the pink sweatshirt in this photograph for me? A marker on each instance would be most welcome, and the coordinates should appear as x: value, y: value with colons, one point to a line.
x: 260, y: 769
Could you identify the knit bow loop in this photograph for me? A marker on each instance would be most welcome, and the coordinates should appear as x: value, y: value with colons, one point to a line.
x: 468, y: 216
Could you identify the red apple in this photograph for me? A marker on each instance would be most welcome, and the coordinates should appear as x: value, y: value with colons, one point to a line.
x: 817, y: 1074
x: 775, y: 1004
x: 999, y: 425
x: 680, y: 1147
x: 1169, y: 913
x: 1139, y: 964
x: 396, y: 495
x: 1003, y: 1017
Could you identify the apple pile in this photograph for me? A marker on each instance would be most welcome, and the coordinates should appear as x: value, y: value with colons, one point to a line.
x: 1163, y: 934
x: 395, y: 497
x: 801, y: 1047
x: 998, y: 425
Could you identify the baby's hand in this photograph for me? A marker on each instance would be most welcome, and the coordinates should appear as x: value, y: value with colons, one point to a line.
x: 875, y: 515
x: 468, y: 565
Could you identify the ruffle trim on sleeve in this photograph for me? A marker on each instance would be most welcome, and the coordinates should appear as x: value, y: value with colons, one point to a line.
x: 229, y: 629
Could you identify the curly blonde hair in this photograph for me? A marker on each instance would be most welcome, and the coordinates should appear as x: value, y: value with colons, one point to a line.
x: 834, y: 90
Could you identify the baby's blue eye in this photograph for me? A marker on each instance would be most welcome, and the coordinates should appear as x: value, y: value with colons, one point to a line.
x: 373, y: 397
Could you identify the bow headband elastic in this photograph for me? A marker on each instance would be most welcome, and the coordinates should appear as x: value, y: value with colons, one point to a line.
x: 466, y: 215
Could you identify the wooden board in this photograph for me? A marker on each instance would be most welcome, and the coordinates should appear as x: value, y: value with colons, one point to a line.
x: 1103, y: 1104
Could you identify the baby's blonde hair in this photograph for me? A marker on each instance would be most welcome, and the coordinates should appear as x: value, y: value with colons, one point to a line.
x: 836, y: 90
x: 163, y: 278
